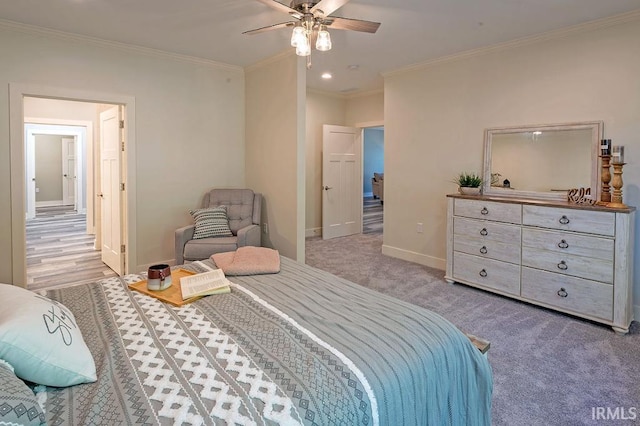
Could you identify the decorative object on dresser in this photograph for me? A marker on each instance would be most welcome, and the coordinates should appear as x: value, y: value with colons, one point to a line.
x: 617, y: 157
x: 468, y: 183
x: 550, y: 253
x: 580, y: 196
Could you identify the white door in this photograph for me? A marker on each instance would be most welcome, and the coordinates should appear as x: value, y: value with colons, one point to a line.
x: 110, y: 190
x: 69, y: 178
x: 30, y: 153
x: 341, y: 181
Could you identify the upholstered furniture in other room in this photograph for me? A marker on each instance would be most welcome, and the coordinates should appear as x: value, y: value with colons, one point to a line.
x: 243, y: 208
x: 377, y: 183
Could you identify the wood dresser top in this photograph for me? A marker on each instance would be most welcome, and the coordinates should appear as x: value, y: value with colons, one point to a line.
x: 545, y: 203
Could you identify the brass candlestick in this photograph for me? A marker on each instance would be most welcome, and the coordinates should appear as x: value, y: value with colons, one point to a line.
x: 616, y: 197
x: 605, y: 195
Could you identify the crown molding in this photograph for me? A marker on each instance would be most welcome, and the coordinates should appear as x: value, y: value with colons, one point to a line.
x: 549, y: 35
x: 346, y: 96
x: 271, y: 59
x: 131, y: 48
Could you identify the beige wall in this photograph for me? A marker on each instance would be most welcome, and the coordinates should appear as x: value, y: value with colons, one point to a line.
x: 435, y: 117
x: 48, y: 164
x: 275, y: 133
x: 189, y: 126
x: 321, y: 109
x: 365, y: 109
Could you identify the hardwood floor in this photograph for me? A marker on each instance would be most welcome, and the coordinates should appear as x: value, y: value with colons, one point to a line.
x: 372, y: 216
x: 59, y: 252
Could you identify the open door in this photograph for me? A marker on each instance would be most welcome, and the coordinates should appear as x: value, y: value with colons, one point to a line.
x: 69, y: 177
x: 111, y: 189
x: 342, y: 181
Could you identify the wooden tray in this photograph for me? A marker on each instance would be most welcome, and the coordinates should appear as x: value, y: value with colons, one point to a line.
x: 173, y: 294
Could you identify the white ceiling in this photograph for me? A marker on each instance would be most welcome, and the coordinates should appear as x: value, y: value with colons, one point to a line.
x: 412, y: 31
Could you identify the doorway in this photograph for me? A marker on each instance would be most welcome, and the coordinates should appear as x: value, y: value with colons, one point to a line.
x: 373, y: 180
x: 21, y: 97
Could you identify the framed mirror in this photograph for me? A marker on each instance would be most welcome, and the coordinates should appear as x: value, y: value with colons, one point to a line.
x: 542, y: 161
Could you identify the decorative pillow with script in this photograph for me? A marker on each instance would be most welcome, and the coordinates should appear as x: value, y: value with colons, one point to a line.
x: 39, y: 337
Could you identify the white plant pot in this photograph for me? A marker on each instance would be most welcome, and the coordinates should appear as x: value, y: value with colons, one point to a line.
x: 467, y: 190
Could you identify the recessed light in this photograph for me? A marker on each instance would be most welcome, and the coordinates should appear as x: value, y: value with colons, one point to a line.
x: 326, y: 75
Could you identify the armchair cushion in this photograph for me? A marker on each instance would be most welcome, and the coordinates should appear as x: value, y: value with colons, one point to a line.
x: 211, y: 222
x: 243, y: 209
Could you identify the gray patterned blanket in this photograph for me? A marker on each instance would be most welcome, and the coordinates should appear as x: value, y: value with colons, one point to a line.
x: 298, y: 347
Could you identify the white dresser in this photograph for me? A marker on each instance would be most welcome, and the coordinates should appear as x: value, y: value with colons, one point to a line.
x: 571, y: 258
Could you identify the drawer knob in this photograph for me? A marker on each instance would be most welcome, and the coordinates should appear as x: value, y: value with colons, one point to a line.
x: 564, y: 220
x: 484, y: 232
x: 483, y: 250
x: 563, y: 265
x: 563, y: 244
x: 483, y: 273
x: 484, y: 211
x: 562, y: 292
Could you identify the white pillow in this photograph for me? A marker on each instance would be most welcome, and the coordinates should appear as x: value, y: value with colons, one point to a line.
x: 39, y: 337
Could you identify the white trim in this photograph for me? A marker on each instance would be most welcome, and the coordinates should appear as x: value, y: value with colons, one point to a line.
x: 88, y: 158
x: 81, y: 135
x: 412, y: 256
x: 51, y: 203
x: 62, y: 35
x: 17, y: 91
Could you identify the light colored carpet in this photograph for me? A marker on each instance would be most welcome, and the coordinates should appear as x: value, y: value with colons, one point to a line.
x: 549, y: 368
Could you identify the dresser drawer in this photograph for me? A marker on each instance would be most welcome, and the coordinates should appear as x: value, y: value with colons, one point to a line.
x: 589, y: 221
x: 580, y: 296
x: 485, y: 230
x: 489, y: 210
x: 507, y: 252
x: 568, y: 264
x: 487, y: 272
x: 569, y: 243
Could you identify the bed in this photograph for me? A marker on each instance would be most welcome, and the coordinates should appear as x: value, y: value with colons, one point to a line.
x: 298, y: 347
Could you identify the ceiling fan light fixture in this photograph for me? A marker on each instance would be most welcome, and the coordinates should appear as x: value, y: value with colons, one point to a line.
x: 298, y: 36
x: 303, y: 47
x: 323, y: 42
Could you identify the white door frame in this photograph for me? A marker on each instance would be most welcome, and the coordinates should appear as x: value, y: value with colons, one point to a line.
x: 362, y: 126
x: 32, y: 128
x: 17, y: 92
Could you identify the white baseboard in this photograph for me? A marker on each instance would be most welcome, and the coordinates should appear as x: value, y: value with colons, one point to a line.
x: 52, y: 203
x: 313, y: 232
x: 422, y: 259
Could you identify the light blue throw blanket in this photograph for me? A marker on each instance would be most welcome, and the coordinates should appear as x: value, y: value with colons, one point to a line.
x: 298, y: 347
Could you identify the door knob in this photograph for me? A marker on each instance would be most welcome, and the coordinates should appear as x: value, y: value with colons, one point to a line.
x: 326, y: 188
x: 65, y: 175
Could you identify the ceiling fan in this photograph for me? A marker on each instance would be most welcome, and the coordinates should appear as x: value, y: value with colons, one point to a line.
x: 312, y: 20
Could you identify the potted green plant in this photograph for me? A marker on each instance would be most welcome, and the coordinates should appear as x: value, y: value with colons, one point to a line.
x: 468, y: 183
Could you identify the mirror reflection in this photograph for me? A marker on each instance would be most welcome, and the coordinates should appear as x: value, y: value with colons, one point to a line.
x: 542, y: 161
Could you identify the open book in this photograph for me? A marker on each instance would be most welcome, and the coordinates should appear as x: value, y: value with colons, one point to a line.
x: 204, y: 284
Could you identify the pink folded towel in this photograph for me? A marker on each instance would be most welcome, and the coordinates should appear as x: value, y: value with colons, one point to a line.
x: 248, y: 260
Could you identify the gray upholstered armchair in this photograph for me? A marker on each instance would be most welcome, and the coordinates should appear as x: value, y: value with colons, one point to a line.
x: 243, y: 211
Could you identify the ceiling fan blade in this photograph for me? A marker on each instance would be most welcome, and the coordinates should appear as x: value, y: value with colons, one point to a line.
x: 352, y: 24
x: 270, y: 27
x: 328, y: 6
x: 281, y: 7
